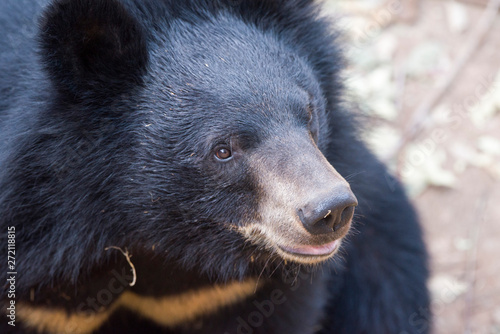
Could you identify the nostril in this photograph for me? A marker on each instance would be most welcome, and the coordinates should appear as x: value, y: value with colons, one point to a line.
x: 327, y: 222
x: 345, y: 217
x: 348, y: 212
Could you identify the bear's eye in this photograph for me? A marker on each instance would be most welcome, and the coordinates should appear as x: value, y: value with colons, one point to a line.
x: 223, y: 153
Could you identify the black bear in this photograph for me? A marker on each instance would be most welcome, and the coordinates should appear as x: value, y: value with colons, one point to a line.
x: 177, y: 166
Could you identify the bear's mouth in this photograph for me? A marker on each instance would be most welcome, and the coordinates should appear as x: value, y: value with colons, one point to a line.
x: 287, y: 249
x: 308, y: 250
x: 308, y: 254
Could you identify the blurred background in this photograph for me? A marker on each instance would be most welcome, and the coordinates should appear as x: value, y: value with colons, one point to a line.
x: 427, y: 75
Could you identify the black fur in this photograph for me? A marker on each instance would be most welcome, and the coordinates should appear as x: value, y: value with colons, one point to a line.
x: 109, y: 111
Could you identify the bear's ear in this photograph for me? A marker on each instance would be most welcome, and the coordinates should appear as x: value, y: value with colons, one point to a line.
x: 92, y: 48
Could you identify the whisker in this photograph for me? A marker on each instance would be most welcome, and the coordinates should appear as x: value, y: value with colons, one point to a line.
x: 350, y: 176
x: 262, y: 271
x: 276, y: 267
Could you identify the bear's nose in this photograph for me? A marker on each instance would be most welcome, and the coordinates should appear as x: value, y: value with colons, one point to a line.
x: 330, y: 213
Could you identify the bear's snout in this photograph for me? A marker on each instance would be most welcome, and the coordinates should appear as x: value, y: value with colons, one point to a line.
x: 305, y: 205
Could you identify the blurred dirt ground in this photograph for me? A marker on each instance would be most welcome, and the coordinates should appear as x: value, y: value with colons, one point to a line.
x: 401, y: 52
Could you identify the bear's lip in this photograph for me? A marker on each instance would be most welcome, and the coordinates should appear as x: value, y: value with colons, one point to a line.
x: 321, y: 250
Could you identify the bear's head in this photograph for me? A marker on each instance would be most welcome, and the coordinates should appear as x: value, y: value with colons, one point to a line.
x: 210, y: 133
